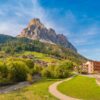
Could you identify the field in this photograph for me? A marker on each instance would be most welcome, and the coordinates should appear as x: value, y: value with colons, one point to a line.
x: 37, y: 91
x: 81, y: 87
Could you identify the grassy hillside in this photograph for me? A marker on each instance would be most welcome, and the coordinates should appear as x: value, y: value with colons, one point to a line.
x: 41, y: 56
x: 12, y: 46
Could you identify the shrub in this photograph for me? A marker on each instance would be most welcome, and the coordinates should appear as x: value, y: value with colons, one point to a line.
x: 29, y: 63
x: 68, y: 64
x: 37, y: 69
x: 3, y: 70
x: 61, y: 72
x: 46, y: 73
x: 18, y: 71
x: 29, y: 78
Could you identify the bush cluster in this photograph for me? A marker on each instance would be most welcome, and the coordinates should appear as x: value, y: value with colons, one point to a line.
x: 19, y: 69
x: 62, y: 70
x: 16, y: 70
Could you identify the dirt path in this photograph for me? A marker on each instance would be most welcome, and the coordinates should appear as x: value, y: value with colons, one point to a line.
x: 7, y: 89
x: 14, y: 87
x: 53, y: 90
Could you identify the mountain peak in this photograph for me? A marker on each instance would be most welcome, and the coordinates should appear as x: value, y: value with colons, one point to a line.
x: 37, y: 31
x: 36, y: 22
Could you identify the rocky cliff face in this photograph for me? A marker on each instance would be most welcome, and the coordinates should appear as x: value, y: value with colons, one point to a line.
x: 37, y: 31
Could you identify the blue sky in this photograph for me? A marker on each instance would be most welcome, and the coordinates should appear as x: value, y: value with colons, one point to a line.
x: 79, y: 20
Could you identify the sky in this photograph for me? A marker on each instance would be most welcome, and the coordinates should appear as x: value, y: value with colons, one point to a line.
x: 79, y: 20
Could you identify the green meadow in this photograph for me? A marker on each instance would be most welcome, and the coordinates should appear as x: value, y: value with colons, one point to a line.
x: 81, y: 87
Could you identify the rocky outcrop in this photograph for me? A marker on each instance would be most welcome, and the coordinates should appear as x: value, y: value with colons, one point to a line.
x: 37, y: 31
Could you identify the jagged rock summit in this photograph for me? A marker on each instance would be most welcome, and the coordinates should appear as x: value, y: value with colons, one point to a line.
x: 37, y: 31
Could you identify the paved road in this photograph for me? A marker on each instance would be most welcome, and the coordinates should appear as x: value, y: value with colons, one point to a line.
x: 53, y: 90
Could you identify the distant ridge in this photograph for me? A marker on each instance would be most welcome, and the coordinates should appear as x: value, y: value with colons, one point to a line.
x: 5, y: 38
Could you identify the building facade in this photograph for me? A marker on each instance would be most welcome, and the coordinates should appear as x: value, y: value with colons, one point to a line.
x: 91, y: 67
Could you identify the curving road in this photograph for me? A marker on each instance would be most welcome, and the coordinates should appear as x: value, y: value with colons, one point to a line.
x: 53, y: 90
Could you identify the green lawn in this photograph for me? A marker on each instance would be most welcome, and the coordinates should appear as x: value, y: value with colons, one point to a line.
x: 37, y: 91
x: 81, y: 87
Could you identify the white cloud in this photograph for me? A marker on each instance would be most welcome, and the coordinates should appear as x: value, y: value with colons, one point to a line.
x: 10, y: 28
x: 86, y: 36
x: 35, y: 11
x: 22, y: 14
x: 80, y: 41
x: 91, y: 30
